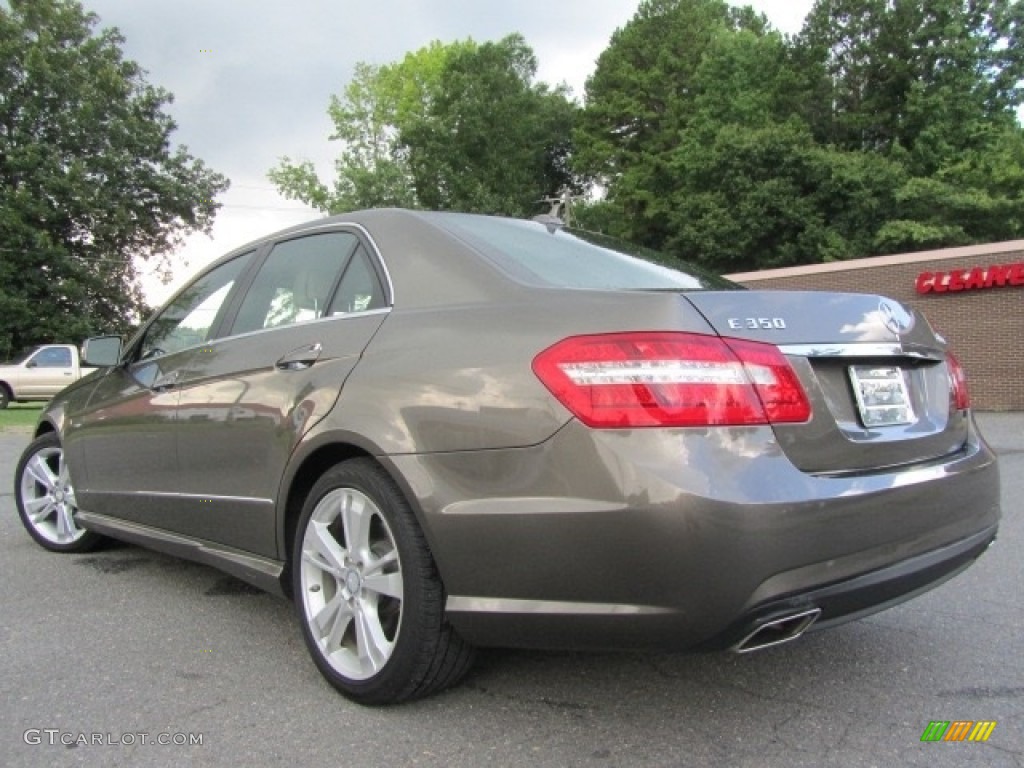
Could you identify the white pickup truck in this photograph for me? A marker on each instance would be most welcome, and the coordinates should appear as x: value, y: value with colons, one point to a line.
x: 40, y: 374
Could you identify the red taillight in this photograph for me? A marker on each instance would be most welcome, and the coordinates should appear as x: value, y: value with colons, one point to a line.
x: 959, y: 395
x: 662, y: 379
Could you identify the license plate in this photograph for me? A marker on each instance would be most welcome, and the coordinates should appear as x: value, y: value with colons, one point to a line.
x: 882, y: 396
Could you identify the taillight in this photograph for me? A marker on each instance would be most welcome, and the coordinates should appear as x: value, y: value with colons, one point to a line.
x: 662, y: 379
x: 959, y: 395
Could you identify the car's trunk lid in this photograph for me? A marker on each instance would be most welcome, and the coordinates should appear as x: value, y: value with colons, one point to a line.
x: 874, y: 370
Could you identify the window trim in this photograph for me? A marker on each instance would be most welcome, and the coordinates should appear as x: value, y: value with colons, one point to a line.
x: 259, y: 251
x: 264, y: 250
x: 327, y: 319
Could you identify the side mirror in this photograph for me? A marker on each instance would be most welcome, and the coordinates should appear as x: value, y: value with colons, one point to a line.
x: 31, y: 364
x: 101, y: 351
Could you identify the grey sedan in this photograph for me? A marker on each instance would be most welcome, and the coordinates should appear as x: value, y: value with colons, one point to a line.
x: 438, y: 431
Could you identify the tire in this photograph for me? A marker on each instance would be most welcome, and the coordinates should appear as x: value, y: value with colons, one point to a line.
x: 5, y: 396
x: 46, y: 500
x: 367, y: 592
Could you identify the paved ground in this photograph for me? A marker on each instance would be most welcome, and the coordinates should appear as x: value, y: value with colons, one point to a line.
x: 128, y: 642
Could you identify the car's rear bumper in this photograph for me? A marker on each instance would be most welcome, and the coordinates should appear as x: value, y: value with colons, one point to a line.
x: 859, y: 596
x: 685, y: 538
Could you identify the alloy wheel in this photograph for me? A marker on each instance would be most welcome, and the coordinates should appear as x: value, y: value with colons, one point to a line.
x: 48, y: 497
x: 351, y: 582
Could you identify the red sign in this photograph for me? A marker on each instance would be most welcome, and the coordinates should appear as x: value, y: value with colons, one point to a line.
x: 977, y: 278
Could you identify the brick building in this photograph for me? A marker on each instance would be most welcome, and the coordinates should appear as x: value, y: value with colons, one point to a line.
x: 974, y: 296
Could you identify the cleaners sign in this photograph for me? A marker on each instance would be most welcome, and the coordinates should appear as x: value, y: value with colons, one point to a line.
x: 978, y: 278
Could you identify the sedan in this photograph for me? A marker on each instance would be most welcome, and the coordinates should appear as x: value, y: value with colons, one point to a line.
x: 441, y: 431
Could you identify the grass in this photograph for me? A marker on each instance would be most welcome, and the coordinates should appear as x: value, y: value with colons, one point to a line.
x: 19, y: 417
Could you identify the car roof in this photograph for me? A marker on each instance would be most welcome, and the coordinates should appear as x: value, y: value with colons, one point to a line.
x: 438, y: 254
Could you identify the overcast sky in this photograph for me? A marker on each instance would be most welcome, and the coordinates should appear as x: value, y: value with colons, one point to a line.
x: 252, y: 78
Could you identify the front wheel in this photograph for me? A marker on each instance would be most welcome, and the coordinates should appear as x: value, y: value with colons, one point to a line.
x: 367, y: 592
x: 5, y: 396
x: 46, y: 499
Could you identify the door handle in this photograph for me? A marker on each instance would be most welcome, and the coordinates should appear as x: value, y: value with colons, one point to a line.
x: 165, y: 382
x: 300, y: 359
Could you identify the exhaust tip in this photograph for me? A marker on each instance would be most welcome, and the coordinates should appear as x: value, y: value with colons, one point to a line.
x: 778, y: 631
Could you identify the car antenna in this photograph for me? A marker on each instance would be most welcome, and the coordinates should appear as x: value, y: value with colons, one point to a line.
x: 553, y: 219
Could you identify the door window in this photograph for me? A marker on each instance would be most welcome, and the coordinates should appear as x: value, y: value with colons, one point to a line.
x: 190, y: 318
x: 295, y: 282
x: 360, y: 290
x: 52, y: 357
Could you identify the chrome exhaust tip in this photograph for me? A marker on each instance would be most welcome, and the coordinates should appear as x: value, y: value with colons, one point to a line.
x: 778, y: 631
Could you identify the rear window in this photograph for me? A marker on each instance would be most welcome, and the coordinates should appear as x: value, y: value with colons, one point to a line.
x: 551, y: 256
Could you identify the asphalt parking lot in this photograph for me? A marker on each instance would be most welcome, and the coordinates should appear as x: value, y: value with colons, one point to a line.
x: 125, y: 647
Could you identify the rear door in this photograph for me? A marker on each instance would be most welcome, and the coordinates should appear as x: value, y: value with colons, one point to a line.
x: 247, y: 397
x: 878, y: 377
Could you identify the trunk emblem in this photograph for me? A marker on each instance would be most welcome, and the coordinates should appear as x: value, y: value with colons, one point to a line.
x: 895, y: 317
x: 757, y: 323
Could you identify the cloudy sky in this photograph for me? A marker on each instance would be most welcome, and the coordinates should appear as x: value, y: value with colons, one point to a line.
x: 252, y: 78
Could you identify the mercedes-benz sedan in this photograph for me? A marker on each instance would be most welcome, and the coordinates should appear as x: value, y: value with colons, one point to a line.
x: 436, y: 431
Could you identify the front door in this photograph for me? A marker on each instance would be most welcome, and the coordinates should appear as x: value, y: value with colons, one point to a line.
x: 126, y: 435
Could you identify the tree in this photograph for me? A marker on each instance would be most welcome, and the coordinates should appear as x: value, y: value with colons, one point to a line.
x: 888, y: 125
x: 934, y: 86
x: 639, y: 102
x: 458, y: 126
x: 491, y: 141
x: 751, y: 187
x: 900, y: 73
x: 88, y: 181
x: 754, y: 197
x: 372, y: 170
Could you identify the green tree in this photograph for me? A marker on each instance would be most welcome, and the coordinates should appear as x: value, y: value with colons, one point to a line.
x: 766, y: 196
x: 639, y: 102
x: 491, y: 141
x: 917, y: 74
x: 750, y: 186
x: 88, y: 181
x: 460, y: 126
x: 934, y: 86
x: 886, y: 126
x: 373, y: 167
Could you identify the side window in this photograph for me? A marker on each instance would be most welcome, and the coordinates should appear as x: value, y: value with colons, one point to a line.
x: 360, y: 290
x: 188, y: 320
x: 54, y: 357
x: 295, y: 282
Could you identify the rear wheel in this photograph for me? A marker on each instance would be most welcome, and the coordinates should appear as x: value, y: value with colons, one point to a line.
x: 46, y: 499
x: 367, y: 591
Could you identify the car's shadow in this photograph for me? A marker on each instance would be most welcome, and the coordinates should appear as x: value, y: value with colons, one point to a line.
x: 865, y: 653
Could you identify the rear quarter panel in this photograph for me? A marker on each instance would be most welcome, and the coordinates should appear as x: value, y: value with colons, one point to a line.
x: 461, y: 379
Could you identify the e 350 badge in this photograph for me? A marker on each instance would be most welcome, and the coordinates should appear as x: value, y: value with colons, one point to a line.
x: 757, y: 323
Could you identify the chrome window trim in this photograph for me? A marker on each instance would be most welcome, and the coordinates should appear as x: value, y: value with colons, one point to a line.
x: 316, y: 321
x: 219, y: 339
